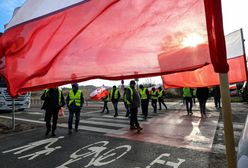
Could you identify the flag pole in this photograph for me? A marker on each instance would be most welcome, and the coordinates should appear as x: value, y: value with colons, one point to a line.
x: 227, y: 117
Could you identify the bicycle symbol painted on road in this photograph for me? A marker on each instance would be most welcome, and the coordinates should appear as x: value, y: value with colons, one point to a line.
x: 98, y: 151
x: 47, y: 149
x: 99, y: 158
x: 98, y: 154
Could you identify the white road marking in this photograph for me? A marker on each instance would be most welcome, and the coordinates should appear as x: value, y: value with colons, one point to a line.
x: 103, y: 123
x: 235, y: 125
x: 97, y: 129
x: 87, y: 128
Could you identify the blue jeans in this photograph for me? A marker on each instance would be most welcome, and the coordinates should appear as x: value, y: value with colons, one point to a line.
x: 115, y: 104
x: 127, y: 109
x: 72, y: 111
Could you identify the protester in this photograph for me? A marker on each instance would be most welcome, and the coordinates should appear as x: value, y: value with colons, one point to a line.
x: 114, y: 97
x: 133, y: 101
x: 74, y: 101
x: 105, y: 100
x: 125, y: 102
x: 154, y: 97
x: 144, y: 96
x: 187, y: 94
x: 216, y: 94
x: 53, y: 101
x: 161, y: 95
x: 202, y: 95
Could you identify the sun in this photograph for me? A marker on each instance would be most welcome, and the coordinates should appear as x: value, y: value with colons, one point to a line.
x: 192, y: 40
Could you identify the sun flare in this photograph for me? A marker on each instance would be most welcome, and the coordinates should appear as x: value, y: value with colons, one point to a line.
x: 192, y: 40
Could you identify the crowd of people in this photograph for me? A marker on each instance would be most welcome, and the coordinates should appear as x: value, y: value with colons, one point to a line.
x: 54, y: 101
x: 202, y: 94
x: 133, y: 98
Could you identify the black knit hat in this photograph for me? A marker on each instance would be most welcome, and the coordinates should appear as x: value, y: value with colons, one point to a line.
x: 132, y: 82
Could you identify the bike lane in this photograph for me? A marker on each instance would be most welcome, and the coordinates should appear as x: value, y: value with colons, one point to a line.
x: 33, y: 149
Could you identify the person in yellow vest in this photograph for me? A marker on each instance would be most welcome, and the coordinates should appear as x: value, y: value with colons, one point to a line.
x: 74, y: 101
x: 114, y: 96
x: 154, y: 97
x: 188, y: 94
x: 105, y: 106
x: 53, y: 101
x: 144, y: 96
x: 125, y: 102
x: 161, y: 98
x: 133, y: 101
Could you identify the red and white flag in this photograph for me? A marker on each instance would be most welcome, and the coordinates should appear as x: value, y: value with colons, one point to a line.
x: 54, y: 42
x: 99, y: 93
x: 206, y: 76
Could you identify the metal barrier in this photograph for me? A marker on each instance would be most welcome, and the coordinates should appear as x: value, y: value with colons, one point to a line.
x: 242, y: 156
x: 36, y: 101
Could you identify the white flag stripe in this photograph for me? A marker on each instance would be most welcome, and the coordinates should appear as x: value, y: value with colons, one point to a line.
x: 103, y: 123
x: 39, y: 8
x: 234, y: 45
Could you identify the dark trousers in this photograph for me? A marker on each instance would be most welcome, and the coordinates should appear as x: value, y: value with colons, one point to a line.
x: 127, y: 109
x: 154, y: 105
x: 202, y: 103
x: 161, y: 101
x: 72, y: 111
x: 134, y: 118
x: 105, y: 106
x: 217, y: 102
x: 188, y: 101
x: 48, y: 115
x: 193, y: 98
x: 115, y: 104
x: 144, y: 107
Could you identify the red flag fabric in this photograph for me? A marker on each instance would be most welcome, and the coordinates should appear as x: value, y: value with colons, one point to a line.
x: 99, y: 93
x: 64, y: 41
x: 206, y: 76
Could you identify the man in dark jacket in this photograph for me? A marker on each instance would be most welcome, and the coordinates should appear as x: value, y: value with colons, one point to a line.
x: 216, y: 94
x: 161, y: 98
x: 202, y: 95
x: 114, y: 96
x: 133, y: 101
x: 74, y: 102
x: 53, y: 101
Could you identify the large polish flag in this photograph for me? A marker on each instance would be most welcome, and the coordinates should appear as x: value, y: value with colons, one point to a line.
x: 206, y: 76
x: 49, y: 43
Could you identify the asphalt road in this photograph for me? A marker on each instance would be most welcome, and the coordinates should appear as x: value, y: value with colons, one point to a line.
x: 105, y: 141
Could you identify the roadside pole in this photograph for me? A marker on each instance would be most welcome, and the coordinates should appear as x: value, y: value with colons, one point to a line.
x: 227, y: 117
x: 13, y: 114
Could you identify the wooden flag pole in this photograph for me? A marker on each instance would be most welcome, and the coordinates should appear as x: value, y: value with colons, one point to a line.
x: 227, y: 117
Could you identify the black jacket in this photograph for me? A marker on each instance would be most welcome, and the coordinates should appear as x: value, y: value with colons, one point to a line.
x: 51, y: 100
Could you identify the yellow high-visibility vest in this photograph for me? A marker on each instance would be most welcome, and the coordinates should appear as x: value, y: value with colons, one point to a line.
x: 75, y: 97
x: 154, y: 95
x: 131, y: 92
x: 160, y: 93
x: 115, y: 94
x: 187, y: 92
x: 143, y: 94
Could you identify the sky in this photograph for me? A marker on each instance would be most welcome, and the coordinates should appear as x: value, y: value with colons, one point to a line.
x: 234, y: 13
